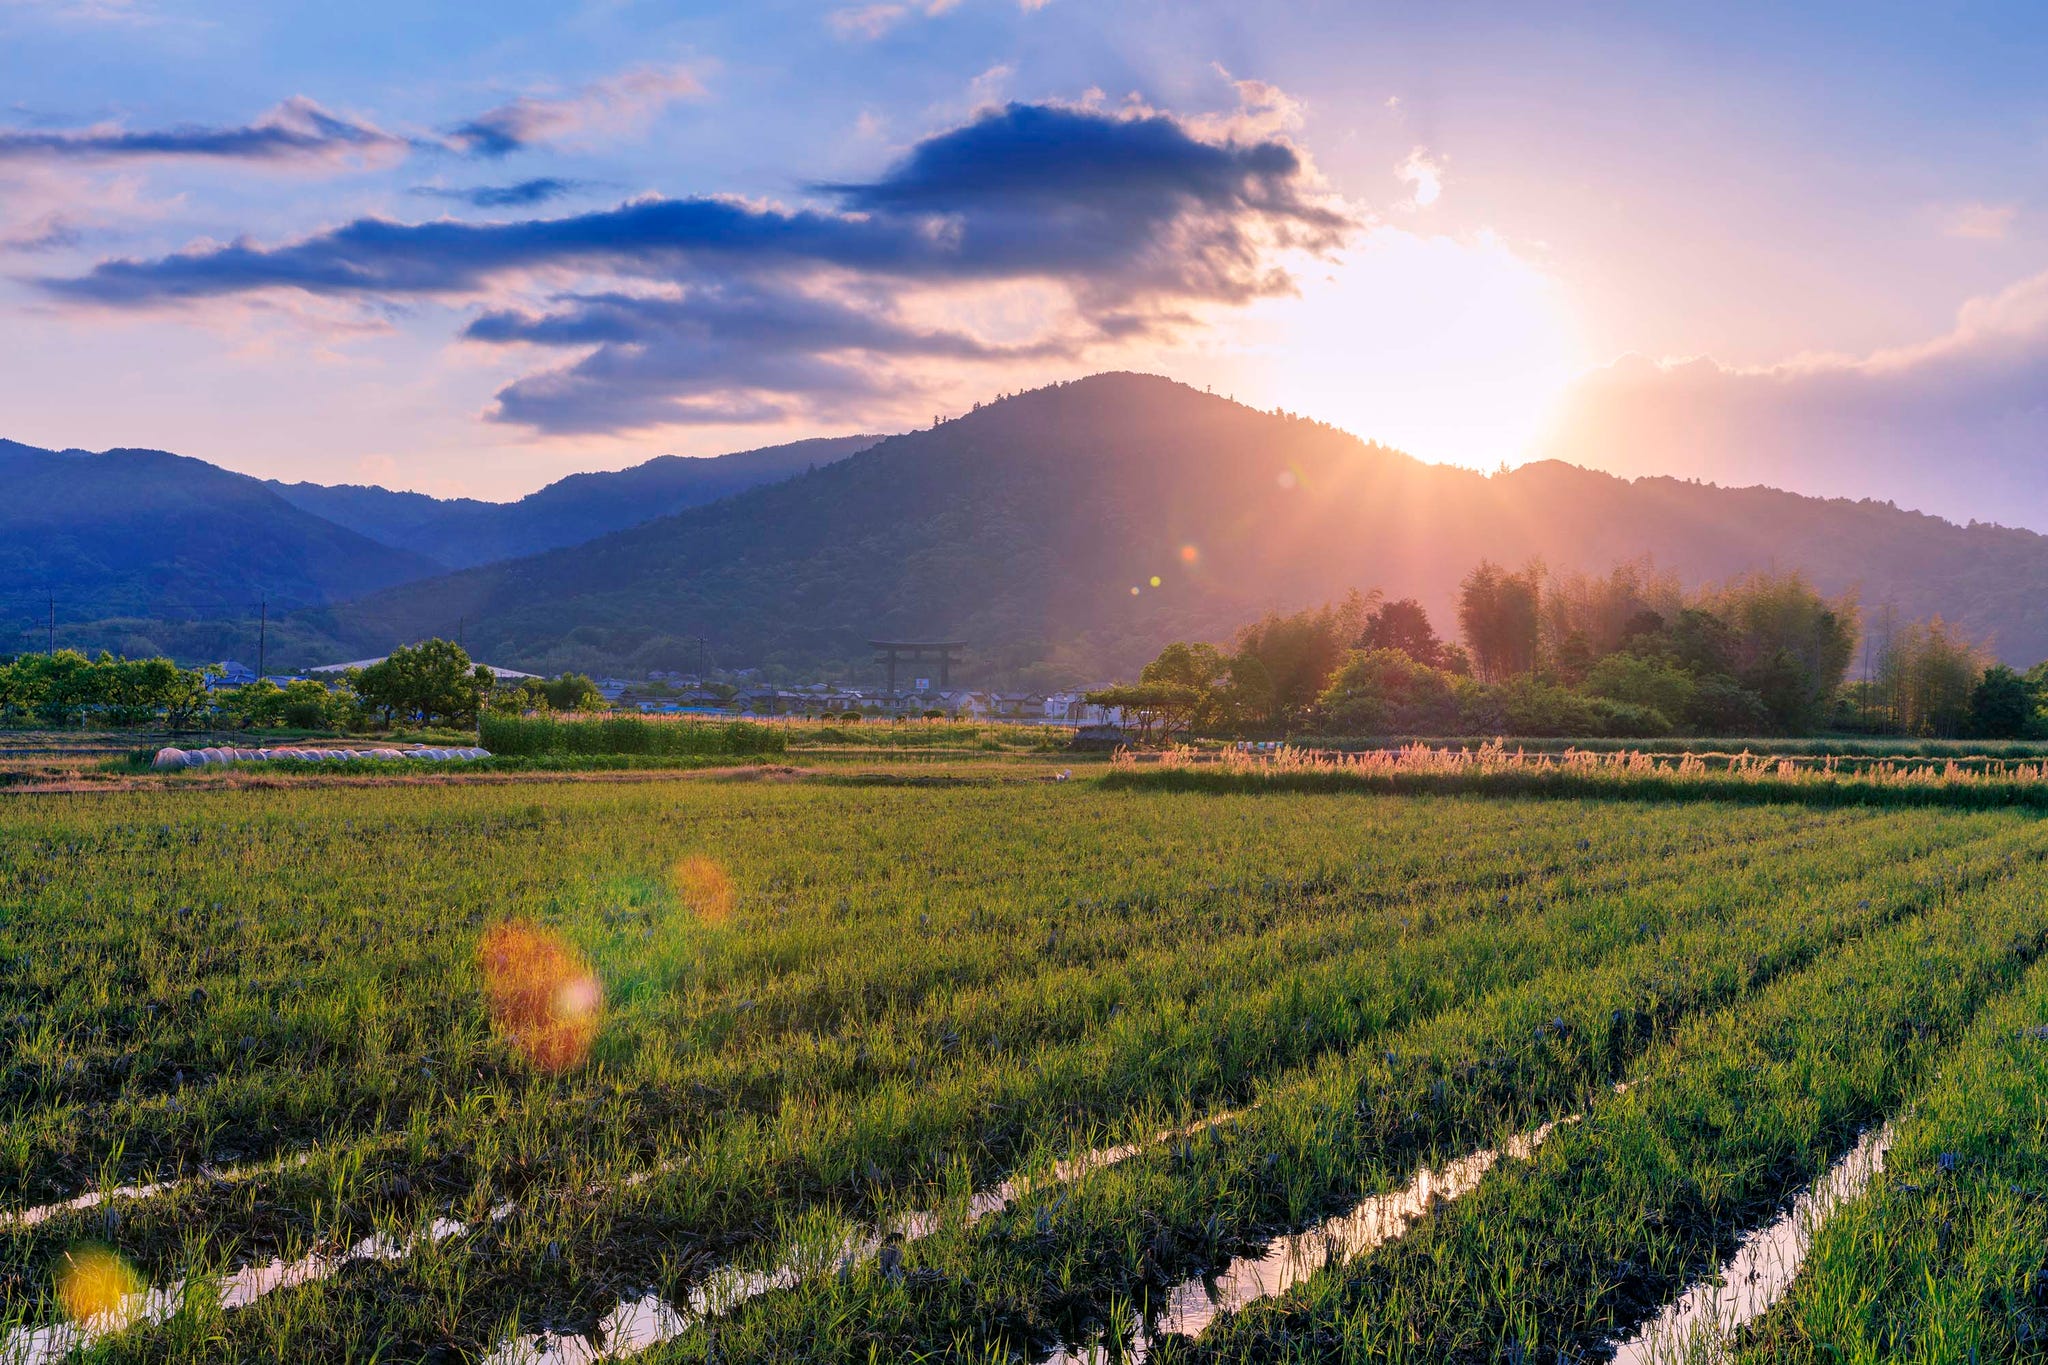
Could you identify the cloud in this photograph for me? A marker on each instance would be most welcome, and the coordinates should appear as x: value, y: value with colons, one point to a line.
x: 1425, y: 173
x: 298, y: 131
x: 1980, y: 222
x: 1955, y: 425
x: 717, y: 349
x: 1130, y: 218
x: 523, y: 194
x: 865, y: 23
x: 620, y: 103
x: 86, y: 11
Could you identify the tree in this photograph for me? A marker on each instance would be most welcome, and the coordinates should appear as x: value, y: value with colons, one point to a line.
x: 1649, y: 683
x: 1498, y: 612
x: 433, y: 680
x: 2001, y: 704
x: 1154, y: 711
x: 1786, y: 643
x: 1296, y: 654
x: 572, y: 692
x: 1201, y: 668
x: 1387, y: 691
x: 1600, y: 613
x: 1931, y: 670
x: 1403, y: 625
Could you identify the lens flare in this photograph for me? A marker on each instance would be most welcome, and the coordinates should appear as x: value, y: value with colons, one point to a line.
x: 1155, y: 580
x: 543, y: 995
x: 706, y: 888
x: 95, y: 1283
x: 1189, y: 554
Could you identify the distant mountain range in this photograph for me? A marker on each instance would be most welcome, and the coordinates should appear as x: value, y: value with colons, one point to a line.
x: 142, y: 536
x: 1068, y: 532
x: 147, y: 533
x: 458, y: 533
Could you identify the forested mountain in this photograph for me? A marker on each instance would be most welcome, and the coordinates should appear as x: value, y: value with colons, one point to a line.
x: 147, y: 533
x: 461, y: 532
x: 1069, y: 532
x: 143, y: 550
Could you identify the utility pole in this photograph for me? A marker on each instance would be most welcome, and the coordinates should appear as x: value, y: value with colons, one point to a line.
x: 53, y: 623
x: 262, y: 636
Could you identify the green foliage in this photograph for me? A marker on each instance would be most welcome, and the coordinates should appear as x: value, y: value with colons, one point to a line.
x: 301, y: 704
x: 532, y: 735
x: 2002, y: 705
x: 1652, y: 684
x: 1381, y: 691
x: 1154, y: 712
x: 432, y: 680
x: 1499, y: 613
x: 1927, y: 675
x: 1786, y: 643
x: 1403, y: 625
x: 67, y: 688
x: 1288, y: 658
x: 825, y: 1007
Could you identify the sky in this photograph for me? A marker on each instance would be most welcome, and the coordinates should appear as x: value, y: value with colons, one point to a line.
x: 469, y: 251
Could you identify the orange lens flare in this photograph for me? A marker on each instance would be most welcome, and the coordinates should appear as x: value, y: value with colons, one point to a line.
x: 706, y: 888
x: 543, y: 994
x: 1189, y: 554
x: 95, y: 1283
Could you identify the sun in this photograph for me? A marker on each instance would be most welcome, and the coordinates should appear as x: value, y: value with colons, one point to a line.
x: 1453, y: 349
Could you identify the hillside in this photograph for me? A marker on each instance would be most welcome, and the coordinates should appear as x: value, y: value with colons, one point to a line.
x: 147, y: 533
x: 463, y: 532
x: 1024, y: 527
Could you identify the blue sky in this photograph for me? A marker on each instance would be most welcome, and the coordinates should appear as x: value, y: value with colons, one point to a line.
x: 1802, y: 245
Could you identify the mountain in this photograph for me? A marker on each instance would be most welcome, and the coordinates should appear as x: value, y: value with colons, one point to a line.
x: 1035, y: 527
x: 462, y: 532
x: 150, y: 534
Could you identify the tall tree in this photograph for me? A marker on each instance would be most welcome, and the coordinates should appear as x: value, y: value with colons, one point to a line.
x: 1498, y: 612
x: 1402, y: 624
x: 1296, y: 653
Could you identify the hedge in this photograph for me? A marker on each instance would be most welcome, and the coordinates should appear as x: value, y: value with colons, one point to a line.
x: 626, y: 735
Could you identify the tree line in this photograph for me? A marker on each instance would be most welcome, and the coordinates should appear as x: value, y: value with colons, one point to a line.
x: 434, y: 682
x: 1630, y: 653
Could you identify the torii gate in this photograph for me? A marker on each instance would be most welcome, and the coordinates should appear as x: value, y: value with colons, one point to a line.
x: 888, y: 652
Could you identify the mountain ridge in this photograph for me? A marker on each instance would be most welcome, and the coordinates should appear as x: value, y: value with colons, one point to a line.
x: 465, y: 532
x: 1026, y: 525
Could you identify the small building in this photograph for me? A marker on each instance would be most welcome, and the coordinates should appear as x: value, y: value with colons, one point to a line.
x: 229, y: 673
x: 503, y: 675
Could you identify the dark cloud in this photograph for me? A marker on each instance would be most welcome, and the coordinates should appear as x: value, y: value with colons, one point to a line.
x: 1136, y: 217
x: 297, y: 131
x: 687, y: 357
x: 1957, y: 426
x: 524, y: 194
x: 615, y: 103
x: 500, y: 132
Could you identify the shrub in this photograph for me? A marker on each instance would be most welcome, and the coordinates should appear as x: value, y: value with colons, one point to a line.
x: 626, y: 735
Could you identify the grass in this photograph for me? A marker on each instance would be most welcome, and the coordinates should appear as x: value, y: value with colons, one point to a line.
x: 1499, y: 769
x: 832, y: 1001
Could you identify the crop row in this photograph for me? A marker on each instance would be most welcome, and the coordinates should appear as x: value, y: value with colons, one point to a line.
x: 491, y: 1136
x: 1946, y: 1257
x: 1363, y: 1125
x: 165, y: 1014
x: 1657, y: 957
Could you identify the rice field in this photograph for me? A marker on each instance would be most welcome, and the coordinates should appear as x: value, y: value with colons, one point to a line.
x: 998, y: 1067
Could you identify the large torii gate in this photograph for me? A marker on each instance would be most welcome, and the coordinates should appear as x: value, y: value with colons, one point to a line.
x: 888, y: 652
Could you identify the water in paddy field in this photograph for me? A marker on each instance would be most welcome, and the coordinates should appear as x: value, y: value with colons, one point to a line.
x: 1193, y: 1304
x: 1700, y: 1326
